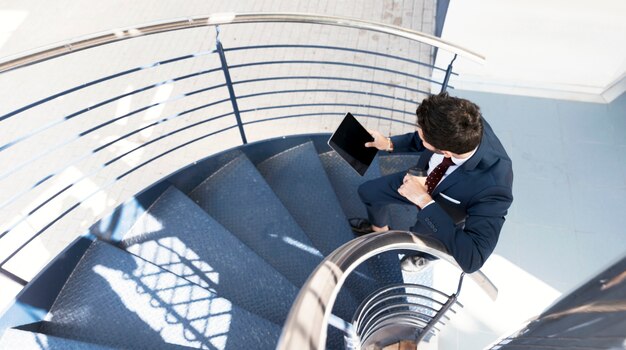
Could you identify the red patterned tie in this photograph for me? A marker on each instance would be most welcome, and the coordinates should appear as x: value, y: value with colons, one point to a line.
x: 435, y: 176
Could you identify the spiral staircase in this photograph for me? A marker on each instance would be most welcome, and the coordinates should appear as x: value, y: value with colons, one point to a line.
x: 238, y: 245
x: 218, y: 254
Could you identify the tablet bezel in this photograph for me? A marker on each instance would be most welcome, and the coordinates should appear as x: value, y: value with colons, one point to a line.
x: 360, y: 135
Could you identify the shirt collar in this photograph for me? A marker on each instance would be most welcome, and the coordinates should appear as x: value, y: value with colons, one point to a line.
x: 460, y: 161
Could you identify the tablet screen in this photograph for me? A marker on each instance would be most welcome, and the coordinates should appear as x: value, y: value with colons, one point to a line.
x: 349, y: 142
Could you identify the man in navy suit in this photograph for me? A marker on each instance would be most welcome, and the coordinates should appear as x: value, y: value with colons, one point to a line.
x: 463, y: 201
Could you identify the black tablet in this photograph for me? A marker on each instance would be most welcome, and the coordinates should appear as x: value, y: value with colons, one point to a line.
x: 349, y: 142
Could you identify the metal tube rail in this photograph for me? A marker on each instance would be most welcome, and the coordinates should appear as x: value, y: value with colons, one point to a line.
x: 442, y: 311
x: 108, y: 37
x: 307, y: 322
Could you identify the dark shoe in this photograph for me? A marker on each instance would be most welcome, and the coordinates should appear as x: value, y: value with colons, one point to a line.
x: 360, y: 226
x: 414, y: 263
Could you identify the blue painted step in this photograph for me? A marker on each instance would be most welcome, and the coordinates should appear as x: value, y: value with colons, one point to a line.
x: 180, y: 237
x: 396, y: 162
x: 345, y: 181
x: 116, y: 299
x: 238, y: 197
x: 300, y: 182
x: 25, y: 340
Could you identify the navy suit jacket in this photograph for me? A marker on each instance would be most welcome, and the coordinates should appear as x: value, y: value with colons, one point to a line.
x: 470, y: 203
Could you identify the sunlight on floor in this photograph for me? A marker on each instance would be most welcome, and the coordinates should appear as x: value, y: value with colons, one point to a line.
x: 172, y: 254
x: 299, y: 245
x: 123, y: 106
x: 521, y: 296
x: 10, y: 20
x: 168, y: 305
x: 8, y: 292
x: 161, y: 98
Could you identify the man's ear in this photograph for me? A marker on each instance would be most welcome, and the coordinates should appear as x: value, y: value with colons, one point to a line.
x: 447, y: 154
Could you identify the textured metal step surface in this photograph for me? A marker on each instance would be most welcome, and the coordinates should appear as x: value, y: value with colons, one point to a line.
x: 393, y: 163
x: 189, y: 178
x: 345, y: 181
x: 14, y: 339
x: 114, y: 298
x: 300, y: 182
x: 180, y: 237
x: 239, y: 198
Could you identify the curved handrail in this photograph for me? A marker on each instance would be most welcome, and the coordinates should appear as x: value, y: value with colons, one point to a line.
x: 108, y: 37
x: 39, y: 181
x: 307, y: 322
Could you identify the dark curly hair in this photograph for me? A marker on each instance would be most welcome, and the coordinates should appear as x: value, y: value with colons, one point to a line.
x: 450, y: 123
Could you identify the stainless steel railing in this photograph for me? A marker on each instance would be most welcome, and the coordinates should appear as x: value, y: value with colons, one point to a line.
x: 391, y: 95
x: 306, y: 326
x: 38, y: 195
x: 70, y: 46
x: 405, y: 311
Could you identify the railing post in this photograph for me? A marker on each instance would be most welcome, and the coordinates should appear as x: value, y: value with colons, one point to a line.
x: 350, y: 338
x: 444, y: 86
x: 229, y: 84
x: 433, y: 321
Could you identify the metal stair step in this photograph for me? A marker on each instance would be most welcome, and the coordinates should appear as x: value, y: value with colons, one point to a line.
x: 300, y: 182
x: 297, y: 177
x: 26, y: 340
x: 346, y: 181
x: 239, y: 198
x: 385, y: 267
x: 396, y: 162
x: 188, y: 179
x: 116, y: 299
x: 180, y: 237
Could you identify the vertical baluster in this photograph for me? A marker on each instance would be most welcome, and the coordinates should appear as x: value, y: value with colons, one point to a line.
x: 229, y: 84
x: 444, y: 86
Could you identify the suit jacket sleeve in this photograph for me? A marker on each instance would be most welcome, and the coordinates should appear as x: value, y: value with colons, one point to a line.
x: 410, y: 142
x: 471, y: 244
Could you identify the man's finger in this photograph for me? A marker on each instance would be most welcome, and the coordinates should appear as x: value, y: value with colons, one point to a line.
x: 369, y: 144
x: 405, y: 179
x: 401, y: 191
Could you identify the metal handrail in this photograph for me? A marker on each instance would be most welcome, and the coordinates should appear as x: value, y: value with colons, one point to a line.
x: 307, y: 322
x: 112, y: 36
x: 68, y: 47
x: 340, y: 263
x: 45, y: 177
x: 377, y: 303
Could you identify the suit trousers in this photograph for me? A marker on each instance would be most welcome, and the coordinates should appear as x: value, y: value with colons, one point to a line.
x: 377, y: 194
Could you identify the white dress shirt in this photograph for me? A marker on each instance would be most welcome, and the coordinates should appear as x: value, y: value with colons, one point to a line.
x: 436, y: 159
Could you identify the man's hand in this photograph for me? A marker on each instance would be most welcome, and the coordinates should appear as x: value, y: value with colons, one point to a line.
x: 381, y: 142
x: 414, y: 189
